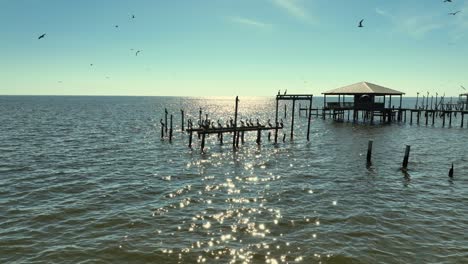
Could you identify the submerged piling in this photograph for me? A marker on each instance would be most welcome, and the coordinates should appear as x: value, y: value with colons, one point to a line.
x: 405, y: 159
x: 369, y: 151
x: 170, y: 131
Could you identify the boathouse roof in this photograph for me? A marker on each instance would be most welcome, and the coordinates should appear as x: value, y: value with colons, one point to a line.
x: 363, y: 88
x: 464, y: 94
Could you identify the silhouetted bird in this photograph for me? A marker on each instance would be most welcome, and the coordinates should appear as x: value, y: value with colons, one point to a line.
x: 136, y: 53
x: 258, y: 123
x: 269, y: 123
x: 250, y: 122
x: 219, y: 124
x: 231, y: 122
x: 41, y: 36
x: 449, y: 1
x: 133, y: 16
x: 281, y: 123
x: 285, y: 91
x: 279, y: 92
x: 454, y: 13
x: 462, y: 87
x: 116, y: 26
x: 162, y: 123
x: 360, y: 23
x: 451, y: 171
x: 242, y: 123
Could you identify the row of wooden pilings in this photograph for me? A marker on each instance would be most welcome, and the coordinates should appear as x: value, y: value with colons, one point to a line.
x: 404, y: 166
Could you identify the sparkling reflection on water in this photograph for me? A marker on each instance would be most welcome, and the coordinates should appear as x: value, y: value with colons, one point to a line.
x: 88, y: 179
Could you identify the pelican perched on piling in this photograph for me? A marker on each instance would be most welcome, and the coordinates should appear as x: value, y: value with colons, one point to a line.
x: 219, y: 124
x: 242, y: 123
x: 258, y: 123
x: 231, y: 122
x: 281, y: 123
x: 269, y: 123
x: 162, y: 123
x: 451, y: 172
x: 251, y: 123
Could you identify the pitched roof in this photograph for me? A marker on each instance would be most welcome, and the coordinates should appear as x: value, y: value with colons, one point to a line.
x: 364, y: 88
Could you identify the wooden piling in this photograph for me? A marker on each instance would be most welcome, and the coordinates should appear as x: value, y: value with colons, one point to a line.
x: 284, y: 137
x: 462, y: 117
x: 170, y: 131
x: 162, y: 129
x: 259, y: 135
x: 235, y: 123
x: 450, y: 119
x: 292, y: 119
x: 405, y: 159
x: 310, y: 116
x: 221, y: 136
x: 433, y: 117
x: 203, y: 142
x: 276, y: 122
x: 285, y: 110
x: 269, y: 136
x: 200, y: 115
x: 190, y: 139
x: 242, y: 137
x: 411, y: 117
x: 443, y: 119
x: 182, y: 118
x: 165, y: 111
x: 369, y: 151
x: 427, y: 116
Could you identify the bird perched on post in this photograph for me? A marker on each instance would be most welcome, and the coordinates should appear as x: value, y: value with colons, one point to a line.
x: 269, y: 123
x: 162, y: 123
x: 281, y: 123
x: 258, y: 123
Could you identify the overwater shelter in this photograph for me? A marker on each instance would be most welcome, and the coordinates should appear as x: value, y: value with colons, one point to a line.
x: 364, y: 96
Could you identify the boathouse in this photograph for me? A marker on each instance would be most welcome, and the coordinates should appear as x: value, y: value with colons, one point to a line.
x: 366, y: 98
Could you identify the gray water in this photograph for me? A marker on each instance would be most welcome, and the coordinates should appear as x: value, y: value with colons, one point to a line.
x: 88, y: 180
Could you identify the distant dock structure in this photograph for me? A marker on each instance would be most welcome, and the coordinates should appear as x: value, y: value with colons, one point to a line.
x: 363, y: 99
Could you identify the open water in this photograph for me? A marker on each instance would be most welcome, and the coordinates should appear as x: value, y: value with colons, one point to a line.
x: 88, y: 180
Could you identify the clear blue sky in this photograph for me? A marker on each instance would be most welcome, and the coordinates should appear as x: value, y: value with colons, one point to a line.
x: 226, y: 47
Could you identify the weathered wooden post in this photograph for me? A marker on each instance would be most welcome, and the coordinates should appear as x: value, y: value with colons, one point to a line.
x: 165, y: 111
x: 411, y: 117
x: 182, y: 117
x: 292, y: 120
x: 426, y: 114
x: 299, y: 109
x: 170, y: 131
x: 405, y: 159
x: 450, y: 118
x: 269, y: 135
x: 276, y: 122
x: 419, y: 113
x: 462, y: 117
x: 200, y: 115
x: 162, y: 128
x: 285, y: 110
x: 369, y: 151
x: 237, y: 139
x: 242, y: 137
x: 203, y: 142
x: 310, y: 116
x: 235, y: 123
x: 284, y: 137
x: 433, y: 116
x: 190, y: 139
x: 221, y: 138
x: 259, y: 135
x: 443, y: 119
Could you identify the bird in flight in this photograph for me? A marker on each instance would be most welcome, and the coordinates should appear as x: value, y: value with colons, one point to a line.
x: 449, y: 1
x: 136, y: 53
x: 41, y: 36
x: 360, y: 23
x: 462, y: 87
x: 133, y: 16
x: 116, y: 26
x: 454, y: 13
x: 90, y: 64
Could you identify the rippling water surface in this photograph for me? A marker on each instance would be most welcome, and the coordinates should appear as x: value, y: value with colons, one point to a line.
x: 88, y: 179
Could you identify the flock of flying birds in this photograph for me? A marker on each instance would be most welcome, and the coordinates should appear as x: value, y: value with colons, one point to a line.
x: 360, y: 24
x: 91, y: 64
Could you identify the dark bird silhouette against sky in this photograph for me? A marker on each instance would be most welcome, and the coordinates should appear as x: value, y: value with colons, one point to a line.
x: 462, y: 87
x: 454, y: 13
x: 447, y: 1
x: 41, y: 36
x: 136, y: 53
x: 133, y: 16
x: 360, y: 23
x: 116, y: 26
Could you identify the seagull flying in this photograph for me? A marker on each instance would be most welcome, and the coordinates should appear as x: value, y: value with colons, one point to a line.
x: 360, y: 23
x: 41, y: 36
x: 454, y: 13
x: 462, y: 87
x: 133, y: 16
x: 136, y: 53
x: 449, y: 1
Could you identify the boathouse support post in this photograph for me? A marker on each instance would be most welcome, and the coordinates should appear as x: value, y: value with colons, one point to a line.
x: 450, y: 118
x: 406, y: 158
x: 285, y: 111
x: 259, y: 135
x: 190, y: 139
x: 462, y: 117
x: 369, y: 151
x: 443, y: 119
